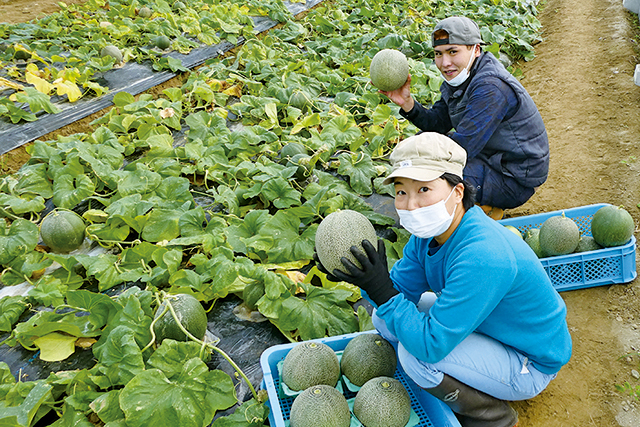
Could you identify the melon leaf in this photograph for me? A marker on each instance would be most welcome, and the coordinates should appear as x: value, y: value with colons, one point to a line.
x: 323, y: 312
x: 11, y: 308
x: 190, y: 399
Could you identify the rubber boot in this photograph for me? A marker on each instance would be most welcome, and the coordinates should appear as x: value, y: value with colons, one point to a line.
x: 474, y: 408
x: 493, y: 212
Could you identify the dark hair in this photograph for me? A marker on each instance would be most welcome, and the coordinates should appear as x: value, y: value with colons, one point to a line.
x: 469, y: 196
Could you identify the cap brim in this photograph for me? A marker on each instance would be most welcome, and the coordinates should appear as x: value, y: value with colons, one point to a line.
x: 418, y: 174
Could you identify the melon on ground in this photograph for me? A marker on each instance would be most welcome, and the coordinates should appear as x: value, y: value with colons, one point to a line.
x: 310, y: 363
x: 382, y: 402
x: 320, y: 406
x: 337, y: 232
x: 145, y: 12
x: 559, y: 235
x: 62, y: 231
x: 190, y: 313
x: 612, y: 226
x: 113, y: 52
x: 368, y: 356
x: 162, y: 42
x: 389, y: 69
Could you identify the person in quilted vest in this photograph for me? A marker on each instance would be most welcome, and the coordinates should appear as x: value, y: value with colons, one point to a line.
x: 487, y: 112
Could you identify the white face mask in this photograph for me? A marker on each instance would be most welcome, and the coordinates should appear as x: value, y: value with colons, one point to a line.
x: 464, y: 74
x: 429, y: 221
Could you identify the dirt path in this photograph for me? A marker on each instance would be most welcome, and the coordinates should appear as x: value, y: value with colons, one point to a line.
x: 582, y: 81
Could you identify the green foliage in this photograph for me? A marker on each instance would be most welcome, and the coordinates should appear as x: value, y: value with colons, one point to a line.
x: 184, y: 204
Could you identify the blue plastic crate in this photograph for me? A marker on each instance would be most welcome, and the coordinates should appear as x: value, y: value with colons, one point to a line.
x: 432, y: 412
x: 585, y: 269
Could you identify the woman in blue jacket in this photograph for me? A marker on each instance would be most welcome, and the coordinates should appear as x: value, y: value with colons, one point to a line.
x: 486, y: 111
x: 475, y: 317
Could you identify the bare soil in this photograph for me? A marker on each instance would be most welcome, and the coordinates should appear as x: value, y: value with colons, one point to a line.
x: 582, y: 82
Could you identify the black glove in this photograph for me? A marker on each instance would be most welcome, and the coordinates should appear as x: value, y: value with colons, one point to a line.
x: 373, y: 277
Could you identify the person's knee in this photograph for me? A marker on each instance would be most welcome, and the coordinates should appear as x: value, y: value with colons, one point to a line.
x: 421, y: 373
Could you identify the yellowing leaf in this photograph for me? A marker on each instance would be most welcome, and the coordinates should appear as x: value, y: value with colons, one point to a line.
x: 235, y: 90
x: 10, y: 84
x: 40, y: 84
x: 85, y: 342
x: 55, y: 346
x: 68, y: 88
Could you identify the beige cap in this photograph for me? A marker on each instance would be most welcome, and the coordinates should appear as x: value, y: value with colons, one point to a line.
x: 425, y: 157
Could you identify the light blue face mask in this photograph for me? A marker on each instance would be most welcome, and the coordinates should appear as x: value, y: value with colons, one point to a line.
x: 464, y: 74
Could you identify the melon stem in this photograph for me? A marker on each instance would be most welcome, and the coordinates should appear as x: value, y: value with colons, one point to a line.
x: 210, y: 346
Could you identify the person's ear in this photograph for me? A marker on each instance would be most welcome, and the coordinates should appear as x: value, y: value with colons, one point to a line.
x: 459, y: 191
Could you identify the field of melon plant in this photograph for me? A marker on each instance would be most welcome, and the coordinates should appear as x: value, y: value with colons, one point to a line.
x: 191, y: 192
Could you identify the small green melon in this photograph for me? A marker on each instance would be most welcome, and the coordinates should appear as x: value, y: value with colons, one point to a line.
x: 612, y: 226
x: 532, y: 238
x: 145, y: 12
x: 113, y: 52
x: 162, y: 42
x: 514, y: 230
x: 190, y: 313
x: 337, y: 232
x: 382, y: 402
x: 368, y: 356
x: 299, y: 99
x: 320, y: 406
x: 178, y: 6
x: 310, y: 363
x: 559, y: 235
x: 290, y: 150
x: 302, y: 162
x: 62, y: 231
x: 587, y: 243
x: 21, y: 54
x: 389, y: 69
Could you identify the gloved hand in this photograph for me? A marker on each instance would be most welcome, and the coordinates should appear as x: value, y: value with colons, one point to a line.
x: 373, y: 277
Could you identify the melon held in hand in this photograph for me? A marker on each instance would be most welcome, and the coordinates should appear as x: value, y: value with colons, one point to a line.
x: 337, y: 233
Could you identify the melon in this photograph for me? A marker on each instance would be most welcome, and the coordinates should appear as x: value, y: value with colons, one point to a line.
x: 113, y: 52
x: 587, y: 243
x: 310, y: 363
x: 189, y: 312
x: 162, y: 42
x: 389, y: 69
x: 145, y: 12
x: 532, y: 238
x: 335, y: 235
x: 299, y: 99
x: 368, y: 356
x: 21, y: 54
x: 382, y: 402
x: 62, y: 231
x: 290, y: 150
x: 178, y: 6
x: 612, y: 226
x: 320, y: 406
x: 302, y: 163
x: 514, y: 230
x: 559, y: 235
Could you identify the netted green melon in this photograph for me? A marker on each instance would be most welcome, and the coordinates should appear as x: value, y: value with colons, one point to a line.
x: 336, y: 234
x: 389, y: 69
x: 382, y: 402
x: 320, y: 406
x: 310, y: 363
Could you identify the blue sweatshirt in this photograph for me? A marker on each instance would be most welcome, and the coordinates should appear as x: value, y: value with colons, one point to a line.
x: 488, y: 281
